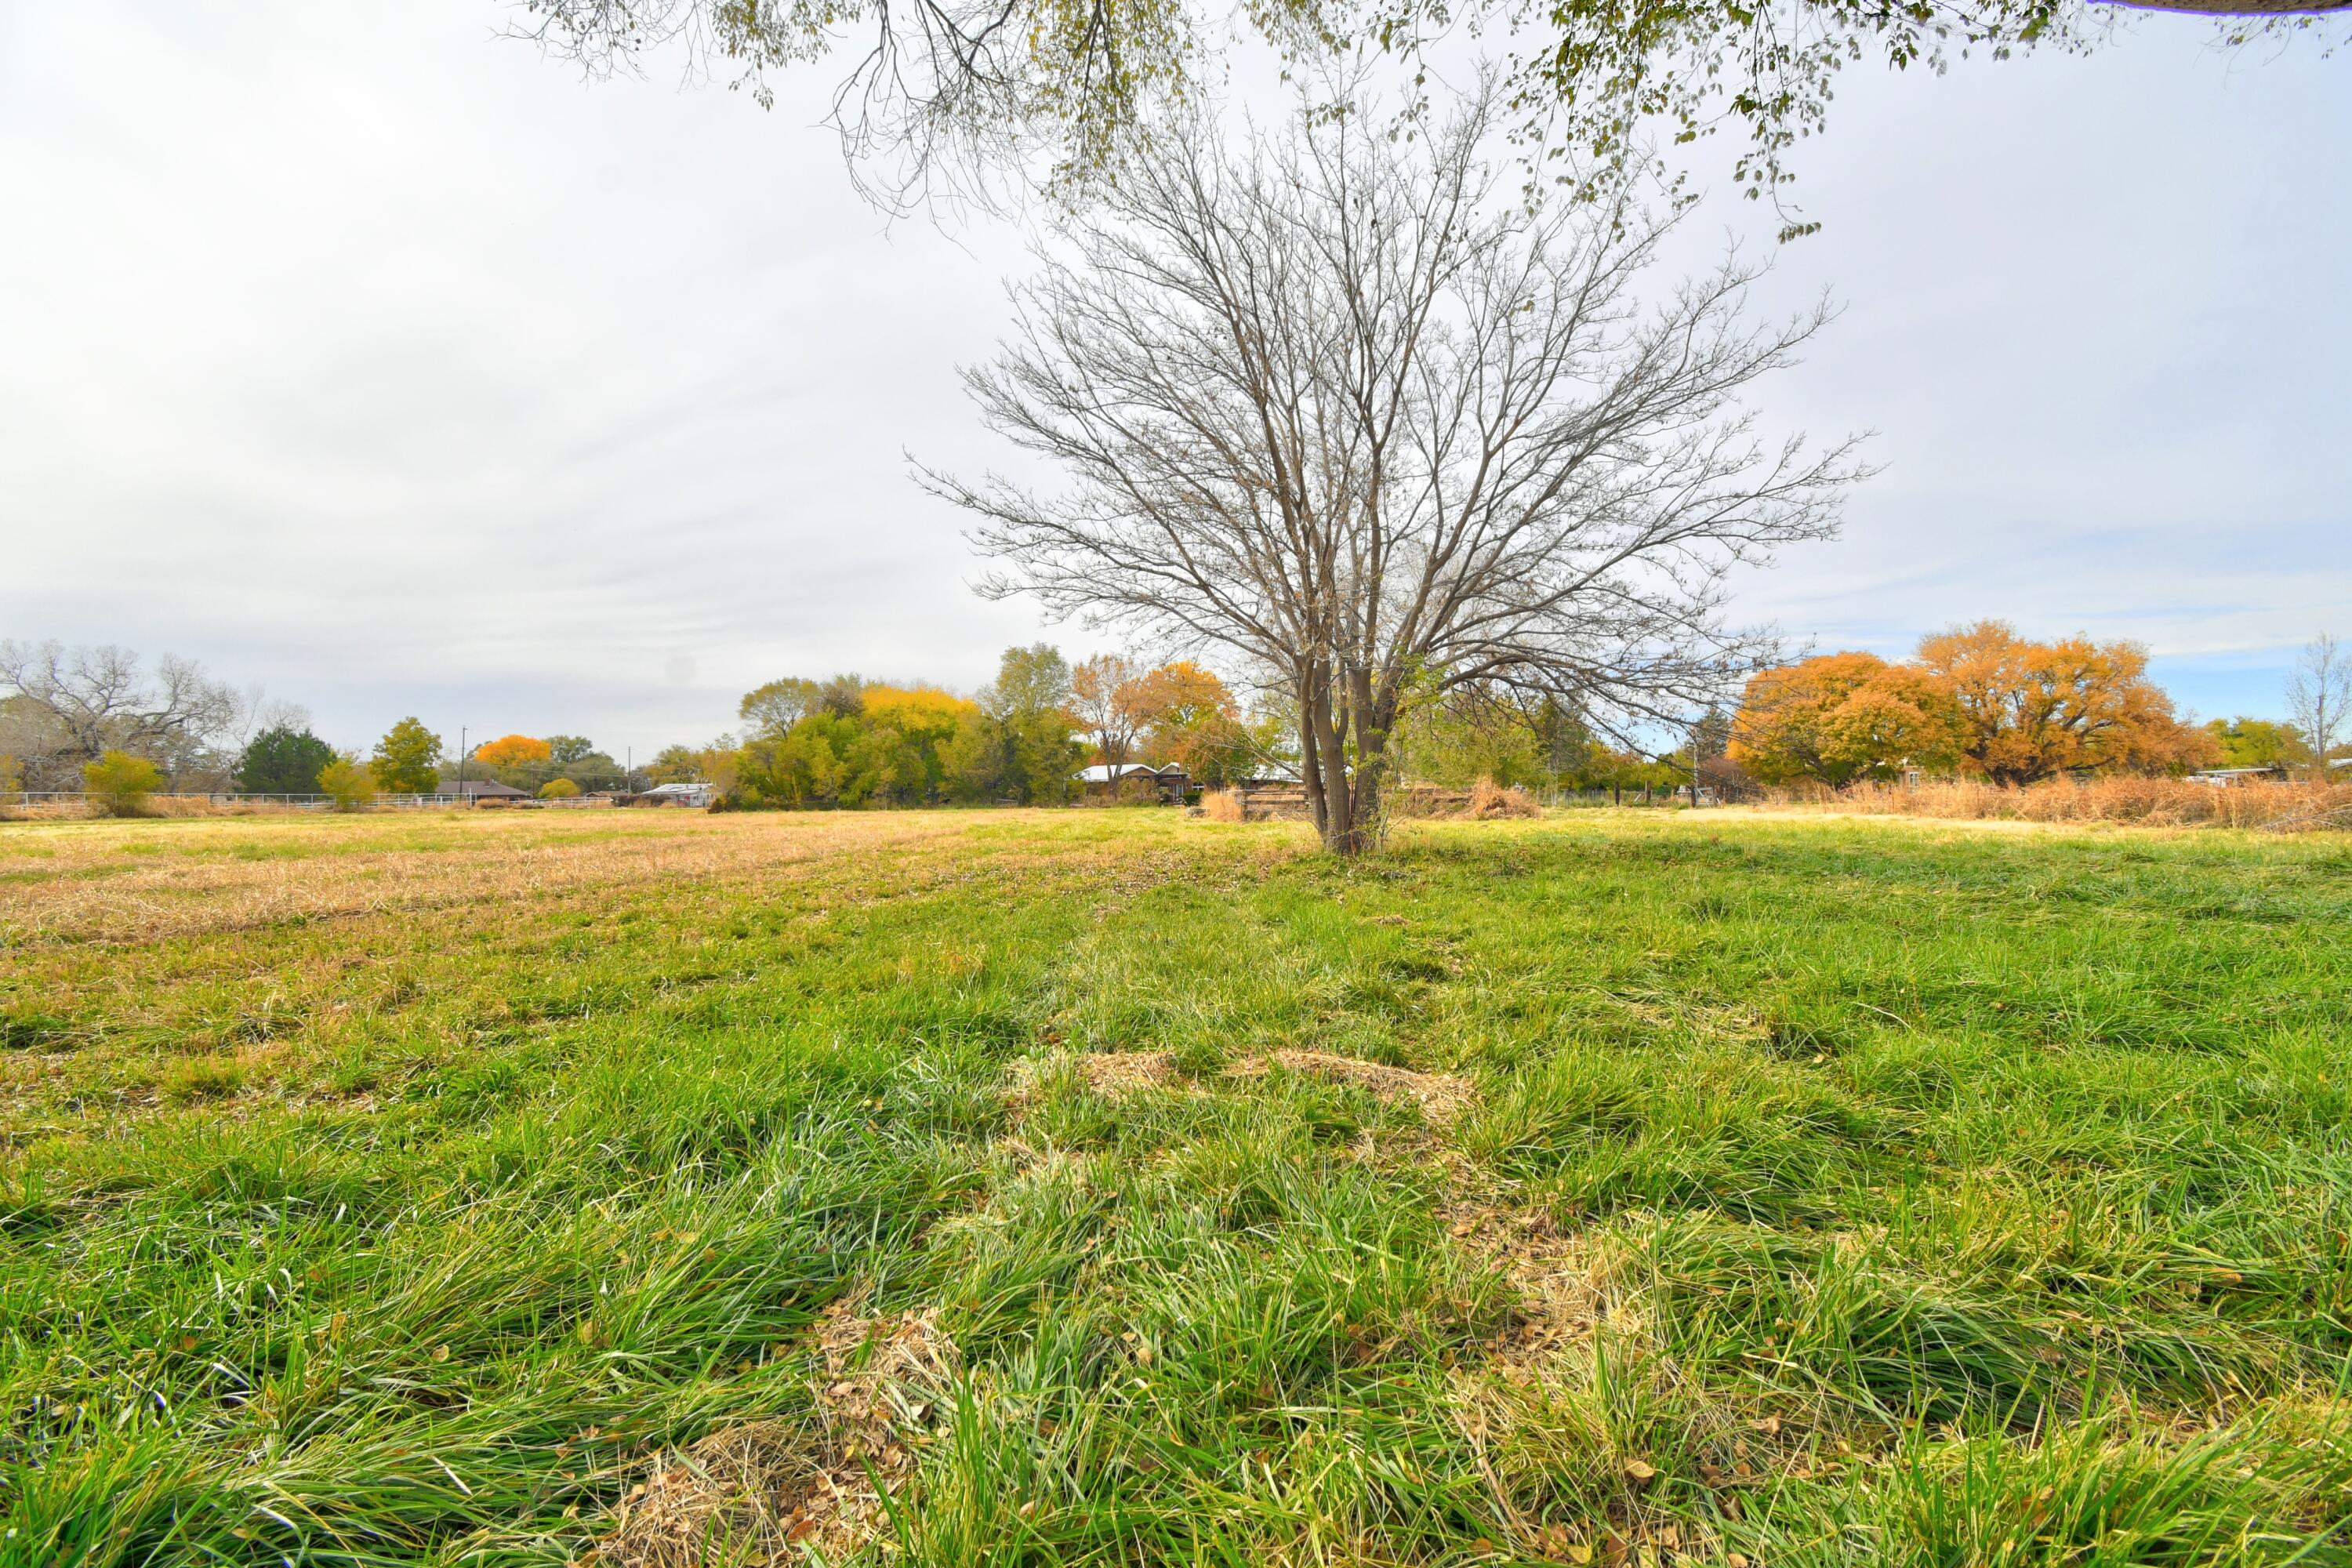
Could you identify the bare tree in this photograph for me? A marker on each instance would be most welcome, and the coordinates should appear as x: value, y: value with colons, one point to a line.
x: 69, y: 706
x: 1329, y: 405
x: 1103, y: 694
x: 257, y: 712
x: 2319, y: 698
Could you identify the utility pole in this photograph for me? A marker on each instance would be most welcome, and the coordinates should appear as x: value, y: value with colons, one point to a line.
x: 461, y: 767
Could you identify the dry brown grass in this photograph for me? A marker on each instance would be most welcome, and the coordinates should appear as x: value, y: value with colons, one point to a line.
x: 1441, y: 1096
x: 1116, y: 1075
x: 1562, y: 1286
x: 144, y: 882
x: 2149, y: 802
x: 769, y: 1492
x: 1483, y: 801
x: 1224, y: 806
x: 1488, y: 799
x: 173, y: 808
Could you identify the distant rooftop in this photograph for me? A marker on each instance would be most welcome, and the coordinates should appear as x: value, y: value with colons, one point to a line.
x: 480, y: 789
x: 1102, y: 772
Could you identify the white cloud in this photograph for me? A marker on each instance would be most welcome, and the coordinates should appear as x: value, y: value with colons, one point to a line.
x: 364, y: 355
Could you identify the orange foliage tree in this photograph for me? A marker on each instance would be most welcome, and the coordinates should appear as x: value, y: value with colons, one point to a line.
x: 2034, y: 710
x: 1844, y: 717
x: 513, y: 751
x: 1103, y: 700
x: 1190, y: 717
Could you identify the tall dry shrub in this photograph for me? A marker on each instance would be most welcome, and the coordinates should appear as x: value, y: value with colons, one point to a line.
x: 1224, y: 806
x: 1489, y: 799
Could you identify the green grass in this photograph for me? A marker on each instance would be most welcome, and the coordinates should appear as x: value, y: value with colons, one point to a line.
x: 1832, y: 1191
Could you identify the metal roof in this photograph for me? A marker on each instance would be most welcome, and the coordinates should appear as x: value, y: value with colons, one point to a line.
x: 1102, y: 772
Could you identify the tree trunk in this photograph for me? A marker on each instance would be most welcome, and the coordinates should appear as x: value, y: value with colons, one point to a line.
x: 1340, y: 801
x: 1375, y: 717
x: 1322, y: 770
x: 1345, y: 799
x: 1311, y: 773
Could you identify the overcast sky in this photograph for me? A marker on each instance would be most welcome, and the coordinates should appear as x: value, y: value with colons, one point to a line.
x: 363, y: 355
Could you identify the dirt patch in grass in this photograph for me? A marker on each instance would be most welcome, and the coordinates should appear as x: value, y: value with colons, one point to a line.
x: 1118, y: 1074
x: 1562, y: 1284
x: 768, y: 1491
x: 1441, y: 1096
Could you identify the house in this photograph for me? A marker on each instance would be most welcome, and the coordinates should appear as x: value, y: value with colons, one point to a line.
x: 1169, y: 782
x: 676, y: 794
x: 2230, y: 778
x: 472, y: 790
x: 1101, y: 775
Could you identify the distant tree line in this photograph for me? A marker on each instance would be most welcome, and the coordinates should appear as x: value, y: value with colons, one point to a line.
x: 1496, y: 733
x: 102, y: 722
x: 1985, y: 702
x: 554, y: 766
x: 1979, y: 701
x: 64, y: 709
x: 847, y: 741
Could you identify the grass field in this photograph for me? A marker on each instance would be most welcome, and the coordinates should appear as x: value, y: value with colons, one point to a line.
x: 1114, y: 1188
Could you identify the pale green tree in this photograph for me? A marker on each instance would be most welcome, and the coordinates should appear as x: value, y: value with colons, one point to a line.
x: 119, y: 783
x: 407, y: 760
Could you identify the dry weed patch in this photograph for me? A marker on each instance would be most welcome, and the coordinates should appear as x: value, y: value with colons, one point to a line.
x: 1117, y: 1075
x: 1442, y: 1097
x: 88, y: 893
x: 768, y: 1492
x: 1562, y: 1282
x: 2289, y: 807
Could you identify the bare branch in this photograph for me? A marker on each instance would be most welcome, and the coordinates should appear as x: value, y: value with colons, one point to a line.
x: 1334, y: 405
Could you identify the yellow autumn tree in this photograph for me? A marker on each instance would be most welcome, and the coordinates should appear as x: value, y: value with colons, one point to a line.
x: 1844, y: 717
x: 513, y: 751
x: 920, y: 714
x: 119, y: 783
x: 915, y: 726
